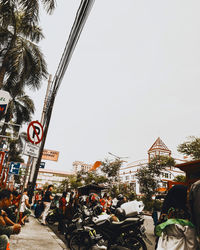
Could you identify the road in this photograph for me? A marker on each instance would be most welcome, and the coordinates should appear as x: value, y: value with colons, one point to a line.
x: 148, y: 223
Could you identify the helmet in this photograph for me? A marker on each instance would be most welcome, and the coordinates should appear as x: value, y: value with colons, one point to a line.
x: 120, y: 197
x: 120, y: 213
x: 98, y: 209
x: 94, y: 198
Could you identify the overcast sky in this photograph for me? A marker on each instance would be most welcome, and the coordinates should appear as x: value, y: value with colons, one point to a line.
x: 134, y: 76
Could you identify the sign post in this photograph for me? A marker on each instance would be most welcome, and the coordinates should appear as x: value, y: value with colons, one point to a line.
x: 35, y: 135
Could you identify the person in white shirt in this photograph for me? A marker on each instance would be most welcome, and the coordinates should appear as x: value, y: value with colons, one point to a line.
x: 24, y: 211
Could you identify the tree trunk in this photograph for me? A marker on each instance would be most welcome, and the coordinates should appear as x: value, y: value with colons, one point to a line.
x: 7, y: 119
x: 2, y: 74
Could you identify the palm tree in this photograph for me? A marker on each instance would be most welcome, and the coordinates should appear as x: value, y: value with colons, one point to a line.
x: 21, y: 60
x: 20, y: 108
x: 33, y: 5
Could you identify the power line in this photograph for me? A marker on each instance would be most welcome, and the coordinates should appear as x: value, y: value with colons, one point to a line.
x: 80, y: 19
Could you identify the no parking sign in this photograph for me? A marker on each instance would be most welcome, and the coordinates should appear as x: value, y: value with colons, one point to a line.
x: 35, y: 132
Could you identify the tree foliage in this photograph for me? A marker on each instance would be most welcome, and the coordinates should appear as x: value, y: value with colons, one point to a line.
x: 190, y: 148
x: 22, y: 62
x: 111, y: 169
x: 180, y: 178
x: 149, y: 176
x: 125, y: 189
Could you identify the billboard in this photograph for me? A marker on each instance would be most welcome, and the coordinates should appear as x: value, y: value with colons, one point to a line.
x: 50, y: 155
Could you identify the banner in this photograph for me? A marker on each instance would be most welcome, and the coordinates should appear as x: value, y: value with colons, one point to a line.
x: 50, y: 155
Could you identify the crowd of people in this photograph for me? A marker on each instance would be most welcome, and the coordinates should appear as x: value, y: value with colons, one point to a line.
x: 177, y: 228
x: 8, y: 223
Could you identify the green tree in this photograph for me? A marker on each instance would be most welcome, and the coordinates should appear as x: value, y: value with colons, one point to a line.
x: 20, y: 110
x: 190, y: 148
x: 22, y: 62
x: 180, y: 178
x: 76, y: 181
x: 16, y: 147
x: 64, y: 186
x: 32, y: 6
x: 111, y: 169
x: 149, y: 176
x: 93, y: 177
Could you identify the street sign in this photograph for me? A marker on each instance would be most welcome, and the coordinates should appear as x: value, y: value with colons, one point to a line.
x: 31, y: 150
x: 50, y: 155
x: 14, y: 168
x: 35, y: 132
x: 42, y: 164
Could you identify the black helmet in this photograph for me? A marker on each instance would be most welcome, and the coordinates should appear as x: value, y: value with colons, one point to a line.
x: 98, y: 209
x: 120, y: 197
x: 120, y: 213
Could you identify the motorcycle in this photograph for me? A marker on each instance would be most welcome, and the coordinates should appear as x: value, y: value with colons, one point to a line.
x: 53, y: 216
x: 102, y: 232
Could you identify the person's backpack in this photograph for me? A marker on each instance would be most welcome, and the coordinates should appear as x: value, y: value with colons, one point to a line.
x: 39, y: 209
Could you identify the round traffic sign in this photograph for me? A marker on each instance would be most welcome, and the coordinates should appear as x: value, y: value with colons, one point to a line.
x: 35, y: 132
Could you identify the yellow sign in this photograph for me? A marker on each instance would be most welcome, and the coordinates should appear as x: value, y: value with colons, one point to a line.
x: 50, y: 155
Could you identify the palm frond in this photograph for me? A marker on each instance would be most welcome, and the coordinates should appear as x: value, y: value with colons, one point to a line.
x: 49, y: 5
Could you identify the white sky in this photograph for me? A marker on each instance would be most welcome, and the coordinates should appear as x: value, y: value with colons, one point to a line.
x: 134, y: 76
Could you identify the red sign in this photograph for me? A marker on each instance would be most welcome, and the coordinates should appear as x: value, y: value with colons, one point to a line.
x: 35, y: 132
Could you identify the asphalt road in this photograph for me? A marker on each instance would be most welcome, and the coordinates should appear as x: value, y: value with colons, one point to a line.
x: 148, y: 224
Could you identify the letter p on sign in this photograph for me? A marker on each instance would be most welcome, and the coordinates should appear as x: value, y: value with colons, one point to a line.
x: 35, y: 132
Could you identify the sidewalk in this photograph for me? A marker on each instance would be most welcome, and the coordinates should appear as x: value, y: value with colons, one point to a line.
x: 36, y: 236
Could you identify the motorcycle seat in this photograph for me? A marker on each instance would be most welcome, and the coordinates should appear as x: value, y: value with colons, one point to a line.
x: 124, y: 222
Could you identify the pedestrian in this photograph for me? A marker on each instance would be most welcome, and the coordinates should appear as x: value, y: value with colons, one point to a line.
x: 7, y: 227
x: 174, y: 228
x: 155, y: 216
x: 47, y: 203
x: 6, y: 198
x: 62, y: 212
x: 121, y: 199
x: 24, y: 209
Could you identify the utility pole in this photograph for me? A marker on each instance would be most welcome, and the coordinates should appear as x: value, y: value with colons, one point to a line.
x: 81, y: 17
x: 43, y: 115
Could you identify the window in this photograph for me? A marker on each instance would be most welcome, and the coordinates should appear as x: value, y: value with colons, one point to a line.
x: 133, y: 176
x: 165, y: 175
x: 127, y: 177
x: 164, y: 184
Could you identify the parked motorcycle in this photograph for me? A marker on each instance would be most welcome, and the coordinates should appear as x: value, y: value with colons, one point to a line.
x: 53, y: 216
x: 105, y: 233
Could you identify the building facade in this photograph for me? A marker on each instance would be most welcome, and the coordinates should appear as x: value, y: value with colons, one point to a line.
x: 51, y: 177
x: 127, y: 173
x: 81, y: 166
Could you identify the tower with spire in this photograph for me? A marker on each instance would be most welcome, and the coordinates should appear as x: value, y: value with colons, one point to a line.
x: 157, y: 149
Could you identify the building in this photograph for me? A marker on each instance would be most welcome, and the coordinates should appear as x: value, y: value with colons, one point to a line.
x: 127, y: 173
x: 51, y: 177
x: 81, y: 166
